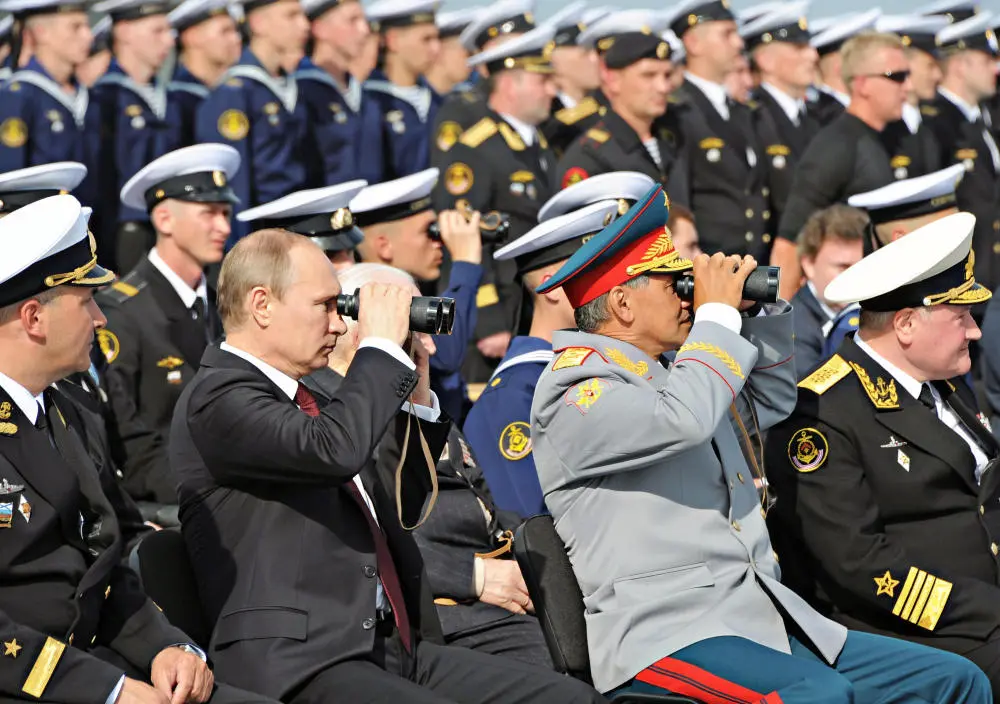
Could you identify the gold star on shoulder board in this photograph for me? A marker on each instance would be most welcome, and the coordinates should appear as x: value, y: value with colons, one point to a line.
x: 11, y: 648
x: 886, y: 585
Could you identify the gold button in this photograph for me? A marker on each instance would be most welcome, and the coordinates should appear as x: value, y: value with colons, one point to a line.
x: 749, y: 212
x: 996, y: 225
x: 996, y: 247
x: 982, y: 510
x: 749, y: 237
x: 736, y: 526
x: 994, y: 548
x: 107, y: 592
x: 93, y: 640
x: 739, y: 475
x: 766, y: 214
x: 766, y: 239
x: 775, y: 555
x: 765, y: 192
x: 70, y: 641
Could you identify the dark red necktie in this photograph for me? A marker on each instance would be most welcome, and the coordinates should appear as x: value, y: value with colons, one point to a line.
x: 386, y: 567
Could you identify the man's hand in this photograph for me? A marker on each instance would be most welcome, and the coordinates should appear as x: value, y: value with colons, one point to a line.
x: 720, y: 278
x: 504, y: 586
x: 384, y: 311
x: 422, y: 358
x: 494, y: 346
x: 182, y: 676
x: 136, y: 692
x: 461, y: 236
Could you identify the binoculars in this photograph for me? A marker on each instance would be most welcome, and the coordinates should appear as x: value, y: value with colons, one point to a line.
x: 429, y: 314
x: 761, y: 286
x: 493, y: 226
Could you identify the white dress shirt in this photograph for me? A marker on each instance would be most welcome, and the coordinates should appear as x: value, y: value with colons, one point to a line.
x: 842, y: 98
x: 912, y: 118
x: 972, y: 114
x: 187, y: 294
x: 715, y: 92
x: 523, y: 129
x: 944, y: 412
x: 792, y: 107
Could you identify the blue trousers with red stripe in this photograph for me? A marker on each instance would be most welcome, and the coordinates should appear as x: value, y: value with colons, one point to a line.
x: 870, y: 670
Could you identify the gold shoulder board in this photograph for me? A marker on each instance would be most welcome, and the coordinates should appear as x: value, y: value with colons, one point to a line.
x: 598, y: 135
x: 585, y: 108
x: 479, y: 132
x: 827, y: 375
x: 127, y: 289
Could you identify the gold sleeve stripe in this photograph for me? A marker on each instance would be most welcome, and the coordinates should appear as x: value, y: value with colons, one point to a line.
x: 918, y: 608
x: 43, y: 668
x: 935, y: 605
x: 906, y: 591
x: 914, y: 593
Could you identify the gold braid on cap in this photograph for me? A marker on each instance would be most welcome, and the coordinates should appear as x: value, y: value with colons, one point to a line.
x: 59, y: 279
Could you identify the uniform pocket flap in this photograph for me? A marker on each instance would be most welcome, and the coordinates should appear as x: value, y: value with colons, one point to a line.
x: 264, y: 622
x: 662, y: 584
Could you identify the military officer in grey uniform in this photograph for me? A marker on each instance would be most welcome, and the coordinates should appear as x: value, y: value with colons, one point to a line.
x: 162, y: 315
x: 889, y: 514
x: 642, y: 470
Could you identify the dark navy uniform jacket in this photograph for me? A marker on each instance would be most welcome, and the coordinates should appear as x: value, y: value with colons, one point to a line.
x: 42, y: 124
x: 138, y: 123
x: 188, y: 91
x: 406, y: 123
x: 261, y: 116
x: 499, y: 427
x: 446, y: 364
x: 345, y: 128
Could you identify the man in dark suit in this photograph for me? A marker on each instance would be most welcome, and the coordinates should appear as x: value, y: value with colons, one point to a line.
x: 75, y: 624
x: 479, y: 593
x: 302, y: 560
x: 639, y: 132
x: 831, y: 241
x: 726, y: 170
x: 162, y: 314
x: 847, y: 156
x: 969, y: 52
x: 779, y: 44
x: 889, y: 518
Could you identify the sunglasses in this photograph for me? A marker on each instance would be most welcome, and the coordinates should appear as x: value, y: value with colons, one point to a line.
x: 894, y: 76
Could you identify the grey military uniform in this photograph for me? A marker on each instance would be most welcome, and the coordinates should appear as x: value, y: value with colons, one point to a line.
x: 642, y: 469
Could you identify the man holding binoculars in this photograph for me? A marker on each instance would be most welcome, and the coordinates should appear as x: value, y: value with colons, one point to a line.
x: 642, y: 470
x: 302, y: 562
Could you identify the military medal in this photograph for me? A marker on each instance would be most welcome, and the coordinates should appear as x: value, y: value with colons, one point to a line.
x: 24, y: 508
x: 6, y: 514
x: 713, y: 155
x: 903, y: 460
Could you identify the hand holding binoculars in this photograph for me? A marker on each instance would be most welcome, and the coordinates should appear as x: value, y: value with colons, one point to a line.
x: 429, y: 314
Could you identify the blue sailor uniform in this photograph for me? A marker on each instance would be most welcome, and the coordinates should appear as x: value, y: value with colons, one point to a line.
x: 261, y: 116
x: 407, y: 117
x: 499, y: 430
x: 345, y: 127
x: 446, y: 363
x: 42, y: 124
x: 138, y: 124
x: 188, y: 91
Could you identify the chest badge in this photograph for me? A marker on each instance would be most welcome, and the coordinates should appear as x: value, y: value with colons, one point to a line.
x: 903, y: 460
x: 886, y: 585
x: 135, y: 113
x: 24, y: 508
x: 808, y: 450
x: 56, y: 119
x: 893, y: 443
x: 6, y: 514
x: 515, y: 441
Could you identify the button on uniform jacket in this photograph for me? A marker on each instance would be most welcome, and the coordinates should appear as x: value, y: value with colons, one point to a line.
x: 649, y: 489
x: 283, y: 554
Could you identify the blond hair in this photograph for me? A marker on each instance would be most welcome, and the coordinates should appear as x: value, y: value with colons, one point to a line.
x: 858, y: 51
x: 260, y: 259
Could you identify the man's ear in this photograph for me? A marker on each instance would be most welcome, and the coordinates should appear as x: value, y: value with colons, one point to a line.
x: 33, y: 318
x: 383, y: 247
x: 163, y: 219
x: 808, y: 266
x: 620, y: 304
x: 260, y: 303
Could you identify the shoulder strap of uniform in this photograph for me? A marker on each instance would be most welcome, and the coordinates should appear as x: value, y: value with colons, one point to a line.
x: 536, y: 357
x: 824, y: 378
x: 598, y: 135
x: 126, y: 288
x: 479, y: 132
x: 585, y: 108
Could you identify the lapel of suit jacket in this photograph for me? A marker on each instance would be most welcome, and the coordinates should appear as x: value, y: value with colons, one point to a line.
x: 962, y: 402
x: 189, y: 335
x: 791, y: 134
x: 734, y: 136
x: 908, y: 418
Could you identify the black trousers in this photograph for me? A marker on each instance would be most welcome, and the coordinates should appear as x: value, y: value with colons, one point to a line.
x: 440, y: 674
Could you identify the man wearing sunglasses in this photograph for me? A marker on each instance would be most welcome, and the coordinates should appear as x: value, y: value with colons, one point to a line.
x: 847, y: 156
x: 968, y: 53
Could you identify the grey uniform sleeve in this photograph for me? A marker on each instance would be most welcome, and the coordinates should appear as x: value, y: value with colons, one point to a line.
x: 771, y: 384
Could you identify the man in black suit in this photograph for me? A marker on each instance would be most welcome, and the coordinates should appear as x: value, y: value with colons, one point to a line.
x: 639, y: 132
x: 316, y: 589
x: 889, y: 518
x: 779, y: 45
x: 726, y: 170
x: 969, y: 52
x: 847, y: 156
x: 75, y: 624
x: 479, y: 592
x: 162, y: 315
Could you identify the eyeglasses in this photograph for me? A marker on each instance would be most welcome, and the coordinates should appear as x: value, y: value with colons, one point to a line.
x: 894, y: 76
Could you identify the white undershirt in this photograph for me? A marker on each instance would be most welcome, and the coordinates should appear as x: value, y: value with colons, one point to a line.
x: 187, y: 294
x: 792, y: 107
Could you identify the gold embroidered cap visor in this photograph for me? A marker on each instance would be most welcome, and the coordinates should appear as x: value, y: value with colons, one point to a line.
x: 932, y: 265
x: 53, y: 247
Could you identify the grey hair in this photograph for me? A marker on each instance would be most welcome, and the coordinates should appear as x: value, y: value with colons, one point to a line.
x: 877, y: 321
x: 591, y: 316
x: 10, y: 312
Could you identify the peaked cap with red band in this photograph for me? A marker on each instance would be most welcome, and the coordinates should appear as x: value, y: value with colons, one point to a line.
x: 636, y: 243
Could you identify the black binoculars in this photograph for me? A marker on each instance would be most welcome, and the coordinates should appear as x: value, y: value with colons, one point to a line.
x: 761, y: 286
x: 493, y: 226
x: 429, y: 314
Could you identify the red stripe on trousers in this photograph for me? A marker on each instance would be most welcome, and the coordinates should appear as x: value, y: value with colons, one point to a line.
x: 689, y: 680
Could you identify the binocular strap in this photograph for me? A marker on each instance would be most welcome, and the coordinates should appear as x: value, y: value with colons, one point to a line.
x: 431, y: 468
